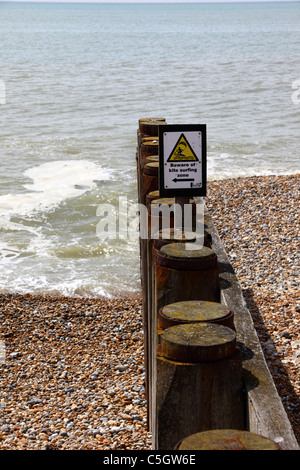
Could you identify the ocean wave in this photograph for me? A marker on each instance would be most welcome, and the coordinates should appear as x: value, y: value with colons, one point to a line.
x: 52, y: 183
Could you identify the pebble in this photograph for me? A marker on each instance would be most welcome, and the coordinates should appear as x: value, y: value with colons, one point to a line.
x: 258, y: 222
x: 72, y: 381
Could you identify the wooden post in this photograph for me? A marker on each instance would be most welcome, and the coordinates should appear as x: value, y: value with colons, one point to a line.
x: 149, y: 180
x: 151, y: 197
x: 156, y: 237
x: 165, y: 237
x: 199, y: 383
x: 173, y: 236
x: 147, y: 142
x: 185, y: 271
x: 180, y: 271
x: 195, y: 311
x: 151, y: 158
x: 149, y: 146
x: 146, y: 149
x: 226, y: 439
x: 149, y: 126
x: 164, y: 214
x: 154, y: 224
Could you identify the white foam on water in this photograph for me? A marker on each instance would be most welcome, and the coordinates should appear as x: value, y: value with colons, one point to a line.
x: 52, y: 183
x: 6, y: 224
x: 71, y: 286
x: 8, y: 253
x: 23, y: 243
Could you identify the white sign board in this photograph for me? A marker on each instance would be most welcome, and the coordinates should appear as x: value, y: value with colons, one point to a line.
x: 182, y: 160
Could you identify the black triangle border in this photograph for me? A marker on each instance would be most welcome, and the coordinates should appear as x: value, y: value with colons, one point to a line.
x: 178, y: 161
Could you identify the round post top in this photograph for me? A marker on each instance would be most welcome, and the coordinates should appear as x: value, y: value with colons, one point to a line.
x: 197, y: 342
x: 226, y: 439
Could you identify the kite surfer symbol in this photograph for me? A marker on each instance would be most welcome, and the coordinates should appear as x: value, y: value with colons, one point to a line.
x: 182, y: 151
x: 183, y: 161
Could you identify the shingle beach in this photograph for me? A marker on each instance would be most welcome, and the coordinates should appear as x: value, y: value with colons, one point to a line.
x: 72, y: 369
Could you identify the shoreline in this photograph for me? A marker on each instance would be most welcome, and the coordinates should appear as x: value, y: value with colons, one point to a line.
x: 73, y: 376
x: 293, y: 173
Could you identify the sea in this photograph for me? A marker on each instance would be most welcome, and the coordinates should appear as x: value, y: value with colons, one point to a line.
x: 75, y: 79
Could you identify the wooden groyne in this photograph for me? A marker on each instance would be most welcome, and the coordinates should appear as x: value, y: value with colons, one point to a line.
x: 205, y: 369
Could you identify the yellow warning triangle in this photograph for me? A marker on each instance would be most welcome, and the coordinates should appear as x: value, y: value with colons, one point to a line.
x: 182, y: 152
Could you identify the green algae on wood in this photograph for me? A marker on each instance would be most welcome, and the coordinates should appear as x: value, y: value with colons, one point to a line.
x: 195, y: 311
x: 197, y: 342
x: 226, y: 439
x: 187, y: 256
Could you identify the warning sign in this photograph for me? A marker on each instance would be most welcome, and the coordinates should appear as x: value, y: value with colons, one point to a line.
x: 182, y: 152
x: 182, y: 160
